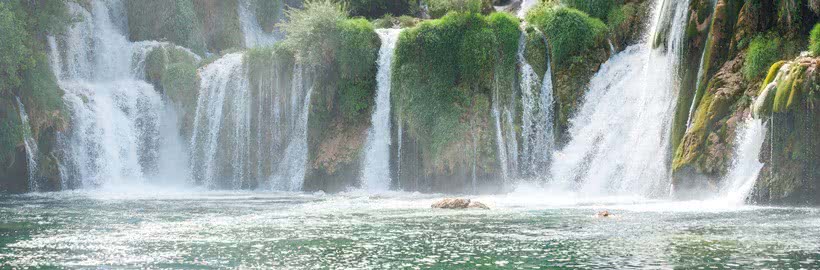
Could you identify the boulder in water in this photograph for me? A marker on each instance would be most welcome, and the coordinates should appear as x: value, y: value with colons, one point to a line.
x: 458, y: 203
x: 603, y: 214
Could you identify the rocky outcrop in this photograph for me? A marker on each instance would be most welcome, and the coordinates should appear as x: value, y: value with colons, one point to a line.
x: 458, y: 203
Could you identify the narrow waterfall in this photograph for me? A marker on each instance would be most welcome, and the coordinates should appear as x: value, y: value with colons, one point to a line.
x: 526, y: 5
x: 537, y: 117
x: 376, y: 169
x: 116, y: 117
x: 620, y: 136
x: 254, y: 34
x: 746, y: 166
x: 31, y: 147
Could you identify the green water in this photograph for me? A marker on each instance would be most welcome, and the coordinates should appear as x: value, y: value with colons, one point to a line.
x: 396, y: 231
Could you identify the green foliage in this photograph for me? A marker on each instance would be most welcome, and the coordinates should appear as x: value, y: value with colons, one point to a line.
x: 40, y: 85
x: 372, y: 9
x: 179, y: 82
x: 596, y: 8
x: 439, y: 8
x: 268, y: 13
x: 219, y: 24
x: 11, y: 134
x: 388, y: 21
x: 762, y: 53
x: 15, y: 55
x: 570, y: 32
x: 814, y: 40
x: 312, y: 32
x: 175, y: 21
x: 357, y: 54
x: 440, y: 66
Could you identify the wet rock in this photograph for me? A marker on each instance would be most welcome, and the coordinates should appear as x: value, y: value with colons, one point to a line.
x: 603, y: 214
x: 458, y: 203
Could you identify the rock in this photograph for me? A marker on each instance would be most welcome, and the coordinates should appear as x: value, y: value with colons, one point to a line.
x: 603, y: 214
x: 458, y: 203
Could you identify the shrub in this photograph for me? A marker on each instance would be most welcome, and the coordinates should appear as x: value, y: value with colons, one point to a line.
x: 268, y: 12
x: 311, y: 31
x: 569, y: 31
x: 814, y: 40
x: 439, y: 8
x: 356, y: 56
x: 595, y: 8
x: 175, y: 21
x: 762, y: 53
x: 378, y: 8
x: 15, y: 54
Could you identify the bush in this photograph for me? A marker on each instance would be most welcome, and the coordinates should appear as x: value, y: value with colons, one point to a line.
x: 569, y: 31
x: 175, y: 21
x: 311, y: 32
x: 268, y: 12
x: 356, y: 56
x: 439, y: 8
x: 15, y: 54
x: 762, y: 53
x: 372, y: 9
x: 814, y: 40
x: 595, y: 8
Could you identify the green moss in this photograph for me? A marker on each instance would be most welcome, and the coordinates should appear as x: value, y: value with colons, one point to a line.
x: 40, y: 86
x: 356, y: 56
x: 175, y: 21
x: 795, y: 92
x: 570, y: 32
x: 219, y: 22
x: 814, y: 40
x: 536, y: 52
x: 762, y: 52
x: 378, y: 8
x: 441, y: 65
x: 784, y: 88
x: 11, y: 132
x: 313, y: 32
x: 773, y: 70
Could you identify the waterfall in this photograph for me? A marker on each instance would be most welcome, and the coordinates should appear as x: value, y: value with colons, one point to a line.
x: 746, y: 166
x: 526, y: 5
x: 376, y: 169
x: 31, y: 146
x: 537, y: 125
x: 251, y: 30
x: 620, y: 136
x: 250, y: 134
x: 116, y: 118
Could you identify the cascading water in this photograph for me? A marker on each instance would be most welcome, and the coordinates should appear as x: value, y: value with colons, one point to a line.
x: 114, y: 139
x: 738, y: 183
x: 253, y: 32
x: 240, y: 125
x: 31, y: 147
x: 620, y: 136
x: 537, y: 125
x: 376, y: 169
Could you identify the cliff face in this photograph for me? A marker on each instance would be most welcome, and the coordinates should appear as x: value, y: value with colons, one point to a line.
x: 744, y: 39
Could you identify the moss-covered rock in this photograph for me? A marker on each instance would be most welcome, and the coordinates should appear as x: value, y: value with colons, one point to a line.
x: 173, y: 72
x: 444, y: 75
x: 438, y: 8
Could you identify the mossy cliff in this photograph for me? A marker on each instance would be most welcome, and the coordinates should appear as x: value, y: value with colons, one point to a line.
x: 340, y: 54
x: 26, y: 74
x: 173, y: 72
x: 791, y: 151
x: 745, y: 38
x: 444, y: 77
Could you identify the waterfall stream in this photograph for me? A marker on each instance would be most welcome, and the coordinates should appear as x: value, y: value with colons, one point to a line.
x: 30, y: 145
x: 537, y: 117
x: 746, y: 166
x: 620, y: 136
x: 376, y: 167
x: 251, y: 30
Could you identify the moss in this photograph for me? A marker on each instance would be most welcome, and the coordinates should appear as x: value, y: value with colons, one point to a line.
x: 174, y: 21
x: 219, y: 24
x: 569, y: 31
x: 536, y: 52
x: 814, y: 40
x: 762, y: 52
x: 15, y: 53
x: 773, y: 70
x: 372, y: 9
x: 687, y: 151
x: 785, y: 87
x: 796, y: 89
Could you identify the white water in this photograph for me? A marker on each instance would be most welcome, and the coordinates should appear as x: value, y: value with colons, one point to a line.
x: 31, y: 146
x: 254, y: 35
x: 738, y: 183
x: 526, y: 5
x: 114, y: 137
x: 376, y: 167
x: 537, y: 117
x: 620, y: 136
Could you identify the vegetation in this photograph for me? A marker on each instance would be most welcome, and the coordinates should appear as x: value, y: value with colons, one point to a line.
x: 372, y: 9
x: 814, y: 40
x: 15, y: 55
x: 268, y: 13
x: 441, y: 65
x: 570, y: 32
x: 762, y: 53
x: 175, y: 21
x: 596, y: 8
x: 439, y: 8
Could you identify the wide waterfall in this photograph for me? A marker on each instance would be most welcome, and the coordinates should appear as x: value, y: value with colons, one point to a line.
x: 116, y: 117
x: 620, y: 135
x: 376, y: 167
x: 253, y: 32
